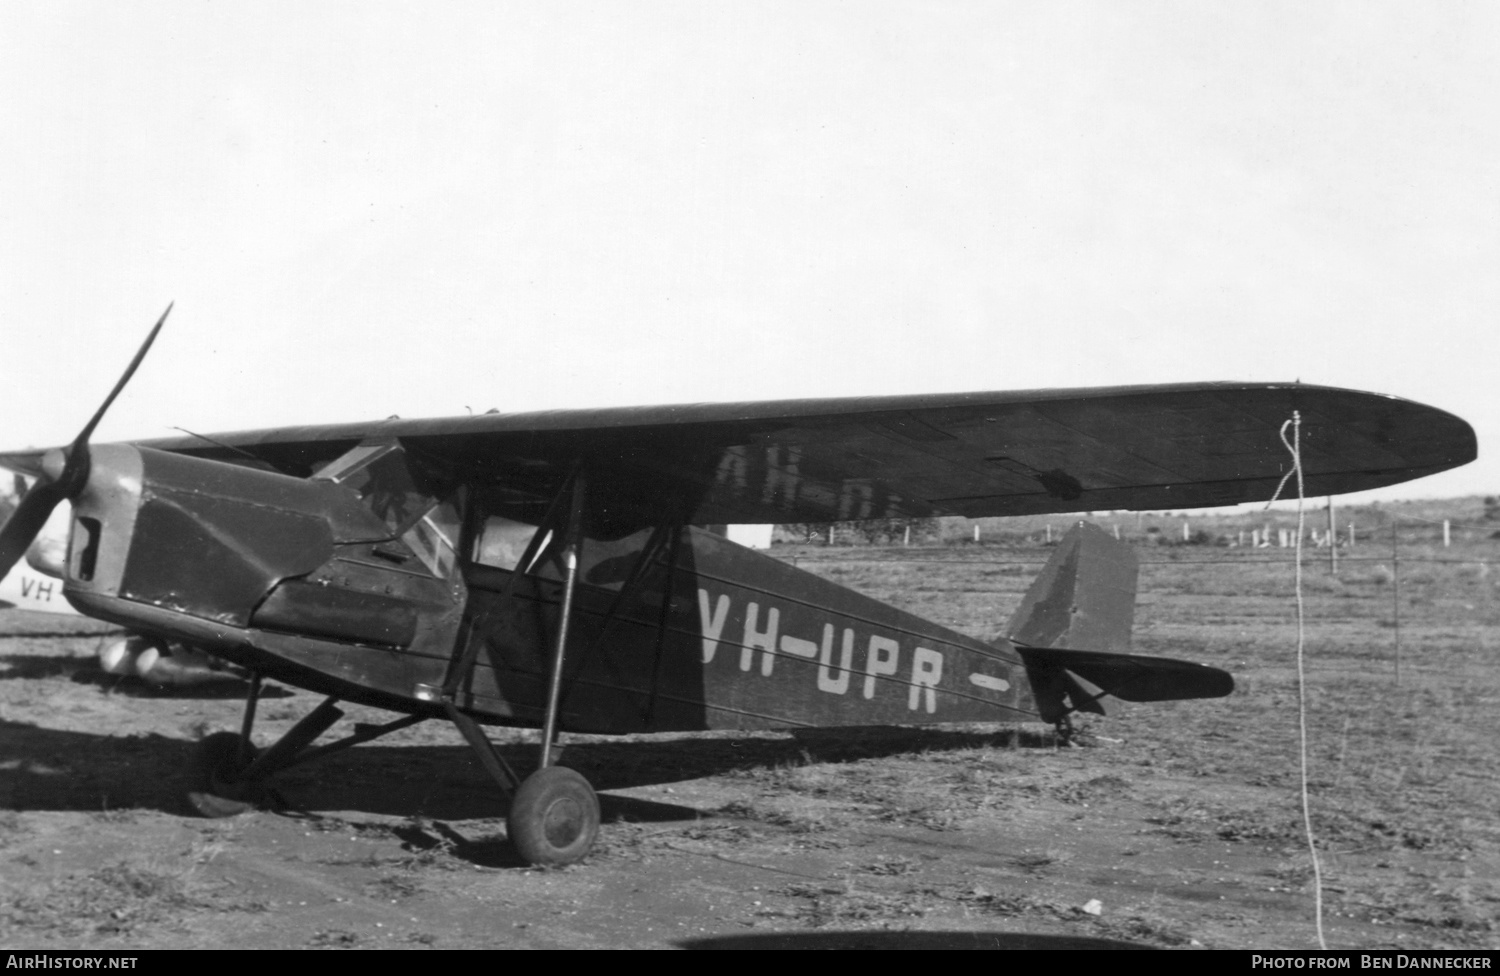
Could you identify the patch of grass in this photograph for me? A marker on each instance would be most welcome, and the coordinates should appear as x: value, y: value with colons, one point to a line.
x: 1108, y: 785
x: 891, y: 866
x: 430, y: 845
x: 395, y: 887
x: 787, y: 820
x: 1452, y: 911
x: 1035, y: 862
x: 12, y: 827
x: 116, y: 816
x: 812, y: 780
x: 114, y: 900
x: 934, y: 813
x: 333, y: 939
x: 842, y: 903
x: 730, y: 833
x: 1011, y: 906
x: 1140, y: 928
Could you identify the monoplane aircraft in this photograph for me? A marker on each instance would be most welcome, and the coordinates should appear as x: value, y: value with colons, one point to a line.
x: 543, y: 569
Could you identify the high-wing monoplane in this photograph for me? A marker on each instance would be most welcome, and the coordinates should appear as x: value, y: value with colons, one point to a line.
x: 544, y: 569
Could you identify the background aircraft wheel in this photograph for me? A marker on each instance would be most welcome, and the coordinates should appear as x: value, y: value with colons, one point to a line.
x: 554, y: 817
x: 217, y: 790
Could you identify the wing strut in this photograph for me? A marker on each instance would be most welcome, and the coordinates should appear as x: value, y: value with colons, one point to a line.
x: 572, y: 551
x: 462, y: 668
x: 463, y: 665
x: 554, y: 812
x: 664, y: 538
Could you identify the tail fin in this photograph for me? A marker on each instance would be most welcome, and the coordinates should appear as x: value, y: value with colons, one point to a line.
x: 1073, y: 631
x: 1084, y: 597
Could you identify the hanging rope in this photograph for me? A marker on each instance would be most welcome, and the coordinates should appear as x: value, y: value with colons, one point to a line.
x: 1294, y: 447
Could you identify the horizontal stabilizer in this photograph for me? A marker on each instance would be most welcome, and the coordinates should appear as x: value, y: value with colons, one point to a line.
x: 1129, y: 677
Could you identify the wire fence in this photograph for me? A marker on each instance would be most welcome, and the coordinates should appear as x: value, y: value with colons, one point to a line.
x: 1407, y: 550
x: 799, y: 559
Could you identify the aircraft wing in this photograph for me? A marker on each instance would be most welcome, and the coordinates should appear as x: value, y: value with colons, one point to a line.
x: 971, y: 454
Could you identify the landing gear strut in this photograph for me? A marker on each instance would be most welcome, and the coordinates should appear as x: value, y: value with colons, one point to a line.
x: 554, y: 812
x: 230, y: 775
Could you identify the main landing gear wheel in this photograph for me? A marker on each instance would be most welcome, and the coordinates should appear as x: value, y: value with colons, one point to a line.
x: 554, y: 817
x: 217, y: 768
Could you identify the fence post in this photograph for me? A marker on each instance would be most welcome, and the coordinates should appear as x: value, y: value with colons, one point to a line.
x: 1396, y: 595
x: 1333, y: 541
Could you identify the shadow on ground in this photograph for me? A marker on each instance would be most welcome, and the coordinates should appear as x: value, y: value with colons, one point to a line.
x: 904, y: 940
x: 48, y: 769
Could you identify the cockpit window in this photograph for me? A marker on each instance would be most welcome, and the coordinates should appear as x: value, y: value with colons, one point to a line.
x: 378, y: 473
x: 339, y: 468
x: 503, y: 524
x: 434, y: 539
x: 501, y: 542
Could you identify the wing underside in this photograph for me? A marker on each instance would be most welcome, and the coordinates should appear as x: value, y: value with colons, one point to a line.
x: 980, y: 454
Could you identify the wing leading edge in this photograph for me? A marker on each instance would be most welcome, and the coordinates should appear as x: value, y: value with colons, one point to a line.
x: 975, y: 454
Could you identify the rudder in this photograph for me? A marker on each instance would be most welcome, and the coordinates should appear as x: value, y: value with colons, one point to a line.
x: 1084, y: 596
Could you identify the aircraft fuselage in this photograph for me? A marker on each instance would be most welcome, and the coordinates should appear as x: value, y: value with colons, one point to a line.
x: 368, y: 582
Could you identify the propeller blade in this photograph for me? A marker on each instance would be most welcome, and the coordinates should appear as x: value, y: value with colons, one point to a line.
x: 77, y: 468
x: 129, y: 371
x: 54, y: 486
x: 26, y: 521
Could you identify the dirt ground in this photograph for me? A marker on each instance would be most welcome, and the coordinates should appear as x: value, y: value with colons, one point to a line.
x: 1173, y: 826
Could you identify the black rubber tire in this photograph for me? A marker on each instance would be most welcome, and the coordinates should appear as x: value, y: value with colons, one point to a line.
x: 554, y: 817
x: 216, y: 787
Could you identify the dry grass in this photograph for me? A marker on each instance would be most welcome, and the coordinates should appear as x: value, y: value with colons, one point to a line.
x: 1403, y: 780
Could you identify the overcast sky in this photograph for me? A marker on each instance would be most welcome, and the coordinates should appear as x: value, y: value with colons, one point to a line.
x: 375, y: 208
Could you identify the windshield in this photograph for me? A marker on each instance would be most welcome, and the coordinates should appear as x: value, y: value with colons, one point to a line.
x: 428, y: 523
x: 378, y: 473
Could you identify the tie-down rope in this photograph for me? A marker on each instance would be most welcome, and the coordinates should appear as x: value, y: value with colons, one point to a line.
x: 1294, y: 446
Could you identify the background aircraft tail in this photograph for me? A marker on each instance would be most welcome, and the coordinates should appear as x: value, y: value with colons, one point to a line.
x: 1073, y: 631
